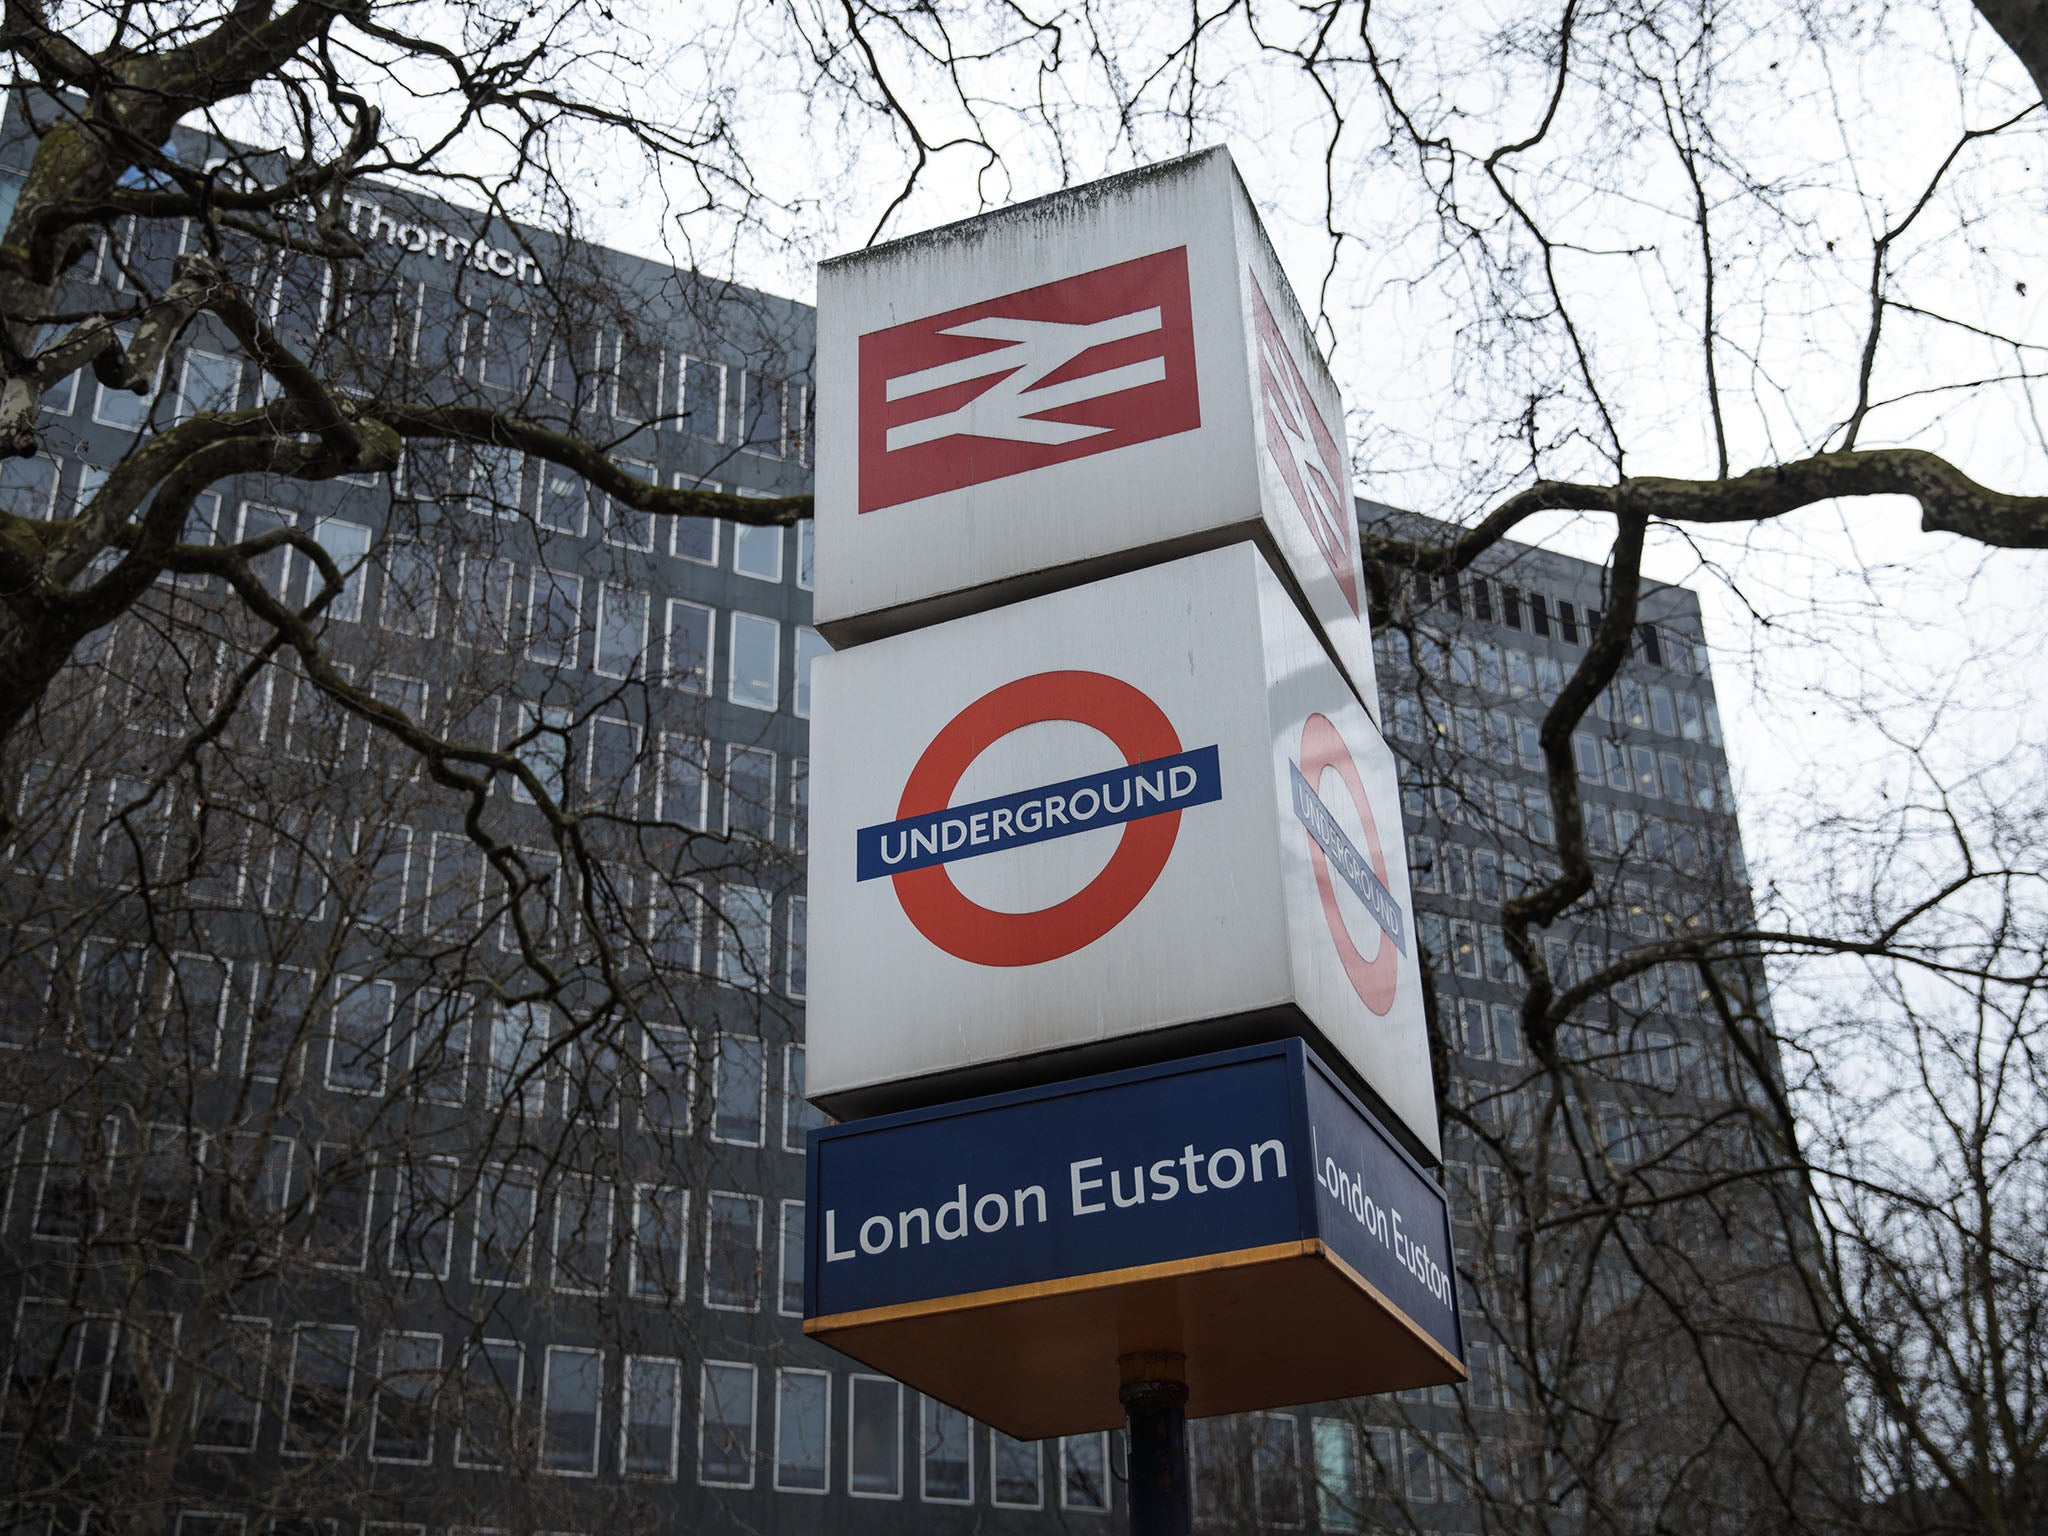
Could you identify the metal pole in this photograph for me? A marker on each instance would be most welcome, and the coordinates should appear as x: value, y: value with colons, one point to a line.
x: 1155, y: 1398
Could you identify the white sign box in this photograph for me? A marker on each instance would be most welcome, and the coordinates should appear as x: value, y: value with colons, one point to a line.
x: 1108, y: 377
x: 1114, y: 823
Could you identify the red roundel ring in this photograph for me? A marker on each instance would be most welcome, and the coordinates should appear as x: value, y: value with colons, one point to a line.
x: 966, y: 929
x: 1374, y: 980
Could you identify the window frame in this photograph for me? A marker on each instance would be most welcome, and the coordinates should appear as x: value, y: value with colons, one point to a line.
x: 600, y: 631
x: 854, y: 1382
x: 675, y: 1426
x: 383, y: 1378
x: 757, y: 623
x: 782, y: 1374
x: 704, y: 1398
x: 542, y: 1462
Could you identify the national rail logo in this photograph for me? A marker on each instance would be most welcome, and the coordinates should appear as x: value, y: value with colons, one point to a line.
x: 1304, y: 449
x: 1090, y: 363
x: 1158, y: 780
x: 1364, y: 873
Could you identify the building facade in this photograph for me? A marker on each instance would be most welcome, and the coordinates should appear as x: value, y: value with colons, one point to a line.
x: 410, y: 1142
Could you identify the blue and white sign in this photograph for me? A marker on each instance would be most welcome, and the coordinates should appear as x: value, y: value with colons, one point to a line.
x: 1241, y: 1161
x: 1148, y: 808
x: 1232, y: 1151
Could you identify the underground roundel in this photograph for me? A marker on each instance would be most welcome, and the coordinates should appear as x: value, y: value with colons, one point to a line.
x: 1332, y: 852
x: 1158, y: 780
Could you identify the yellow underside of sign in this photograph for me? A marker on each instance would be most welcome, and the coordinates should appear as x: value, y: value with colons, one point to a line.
x: 1260, y: 1328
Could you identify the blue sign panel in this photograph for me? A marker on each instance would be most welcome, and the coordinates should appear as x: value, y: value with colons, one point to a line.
x: 1197, y: 1159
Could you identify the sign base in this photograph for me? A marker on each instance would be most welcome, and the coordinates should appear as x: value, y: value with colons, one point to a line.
x: 1261, y: 1328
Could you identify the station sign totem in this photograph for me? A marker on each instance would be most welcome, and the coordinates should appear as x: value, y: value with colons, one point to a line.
x: 1110, y: 933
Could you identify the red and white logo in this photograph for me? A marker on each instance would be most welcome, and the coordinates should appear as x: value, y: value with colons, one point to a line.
x: 1362, y: 870
x: 1305, y: 450
x: 1085, y: 365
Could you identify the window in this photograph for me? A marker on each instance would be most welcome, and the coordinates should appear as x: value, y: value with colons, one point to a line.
x: 502, y: 1252
x: 874, y: 1437
x: 750, y: 792
x: 1084, y: 1472
x: 1340, y: 1483
x: 1507, y: 1034
x: 1675, y: 789
x: 800, y: 808
x: 744, y: 927
x: 440, y: 1045
x: 28, y: 487
x: 1644, y: 762
x: 339, y: 1234
x: 273, y: 569
x: 806, y: 537
x: 810, y: 645
x: 612, y: 766
x: 1661, y: 714
x: 1691, y: 723
x: 483, y: 603
x: 408, y: 1377
x: 790, y: 1300
x: 690, y: 538
x: 732, y: 1252
x: 519, y: 1037
x: 1417, y: 1463
x: 725, y: 1425
x: 595, y: 1077
x: 541, y: 738
x: 803, y: 1431
x: 358, y: 1050
x: 1465, y: 949
x: 1016, y: 1472
x: 227, y: 1400
x: 702, y: 406
x: 424, y: 1221
x: 756, y: 660
x: 554, y: 603
x: 621, y: 631
x: 43, y: 1370
x: 316, y: 1404
x: 757, y: 551
x: 120, y: 408
x: 687, y: 664
x: 1276, y: 1469
x: 572, y: 1389
x: 208, y: 382
x: 946, y: 1452
x: 740, y: 1090
x: 668, y: 1078
x: 636, y: 391
x: 493, y: 1376
x: 799, y: 948
x: 582, y: 1247
x: 626, y: 527
x: 761, y: 407
x: 564, y: 500
x: 799, y: 1117
x: 348, y: 546
x: 661, y: 1225
x: 506, y: 356
x: 496, y: 480
x: 650, y: 1417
